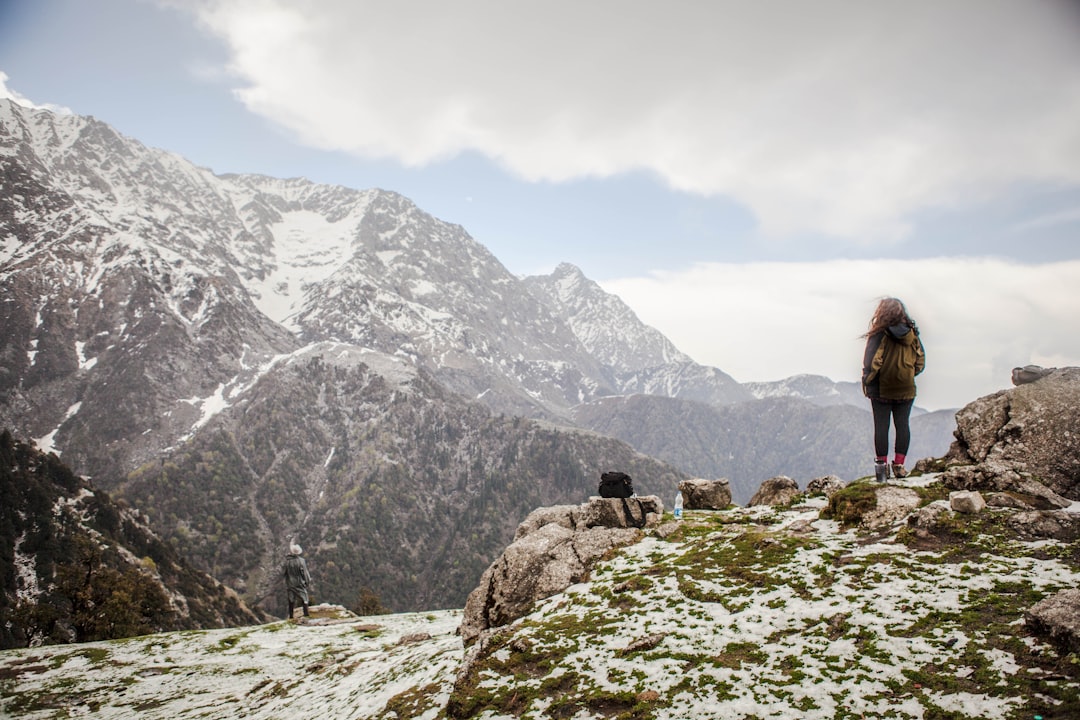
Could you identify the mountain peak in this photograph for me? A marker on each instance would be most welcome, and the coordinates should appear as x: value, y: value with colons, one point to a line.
x: 608, y: 328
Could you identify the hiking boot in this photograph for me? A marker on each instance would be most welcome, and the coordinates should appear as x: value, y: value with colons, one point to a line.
x: 881, y: 472
x: 898, y: 471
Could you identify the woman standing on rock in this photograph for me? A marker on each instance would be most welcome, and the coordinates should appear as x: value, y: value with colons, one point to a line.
x: 893, y: 357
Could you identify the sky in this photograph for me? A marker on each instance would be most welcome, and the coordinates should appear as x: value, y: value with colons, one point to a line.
x: 751, y: 178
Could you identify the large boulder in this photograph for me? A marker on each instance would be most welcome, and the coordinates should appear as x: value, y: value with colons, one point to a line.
x: 553, y: 548
x: 701, y: 494
x: 780, y: 490
x: 1033, y: 428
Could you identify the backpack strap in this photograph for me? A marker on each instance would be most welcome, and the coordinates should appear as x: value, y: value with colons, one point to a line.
x: 640, y: 524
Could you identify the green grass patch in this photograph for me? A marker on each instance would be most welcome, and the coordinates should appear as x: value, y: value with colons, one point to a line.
x: 851, y: 503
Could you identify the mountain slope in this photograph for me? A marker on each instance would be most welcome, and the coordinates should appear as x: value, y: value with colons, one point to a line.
x: 81, y: 567
x: 641, y: 360
x: 220, y: 351
x: 388, y: 480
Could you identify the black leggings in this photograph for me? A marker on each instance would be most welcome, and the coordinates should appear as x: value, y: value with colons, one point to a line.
x: 900, y: 412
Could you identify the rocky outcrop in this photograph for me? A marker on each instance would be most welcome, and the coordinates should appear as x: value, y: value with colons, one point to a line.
x: 1032, y: 430
x: 1058, y: 619
x: 553, y: 548
x: 701, y: 494
x: 780, y: 490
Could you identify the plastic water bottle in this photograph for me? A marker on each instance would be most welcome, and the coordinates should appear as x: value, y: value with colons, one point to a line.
x: 677, y: 510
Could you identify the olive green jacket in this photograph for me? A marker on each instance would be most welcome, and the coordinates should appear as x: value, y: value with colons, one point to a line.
x: 892, y: 359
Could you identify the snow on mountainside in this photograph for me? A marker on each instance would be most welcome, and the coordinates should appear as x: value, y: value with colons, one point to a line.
x: 93, y: 217
x: 817, y: 389
x: 606, y: 326
x: 227, y: 353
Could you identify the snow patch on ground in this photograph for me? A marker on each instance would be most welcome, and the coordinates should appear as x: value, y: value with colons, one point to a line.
x: 268, y: 672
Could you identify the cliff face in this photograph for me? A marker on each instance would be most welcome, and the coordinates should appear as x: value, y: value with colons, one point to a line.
x: 1032, y: 428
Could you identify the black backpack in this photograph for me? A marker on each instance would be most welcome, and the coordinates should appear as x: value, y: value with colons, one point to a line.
x: 616, y: 485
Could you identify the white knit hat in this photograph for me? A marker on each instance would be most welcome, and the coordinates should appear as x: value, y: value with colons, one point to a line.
x: 295, y: 549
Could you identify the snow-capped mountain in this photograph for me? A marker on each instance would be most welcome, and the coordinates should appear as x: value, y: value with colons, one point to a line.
x: 640, y: 358
x: 817, y: 389
x: 606, y: 326
x: 325, y: 263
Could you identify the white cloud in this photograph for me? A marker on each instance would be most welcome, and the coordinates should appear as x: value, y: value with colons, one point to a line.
x: 9, y: 94
x: 979, y: 318
x: 835, y: 117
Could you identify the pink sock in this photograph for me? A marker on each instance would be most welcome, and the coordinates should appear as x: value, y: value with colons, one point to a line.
x: 881, y: 459
x: 899, y: 459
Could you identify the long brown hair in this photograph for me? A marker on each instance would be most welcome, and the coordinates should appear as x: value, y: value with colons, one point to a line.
x: 890, y: 311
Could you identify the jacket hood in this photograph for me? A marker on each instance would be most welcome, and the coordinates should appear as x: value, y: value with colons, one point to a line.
x: 902, y: 334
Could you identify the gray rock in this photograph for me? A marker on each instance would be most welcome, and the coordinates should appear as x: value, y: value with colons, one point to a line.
x: 1008, y: 500
x: 643, y: 644
x: 1032, y: 428
x: 665, y: 530
x: 996, y: 476
x: 567, y: 516
x: 612, y: 512
x: 554, y: 548
x: 927, y: 518
x: 826, y: 485
x: 1057, y: 618
x: 801, y: 527
x: 966, y: 501
x: 780, y: 490
x: 701, y: 494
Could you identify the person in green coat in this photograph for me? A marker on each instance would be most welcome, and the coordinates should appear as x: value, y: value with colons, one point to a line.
x: 297, y: 579
x: 893, y: 356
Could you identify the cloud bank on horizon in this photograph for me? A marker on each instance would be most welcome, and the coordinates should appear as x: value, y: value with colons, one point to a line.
x: 833, y: 118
